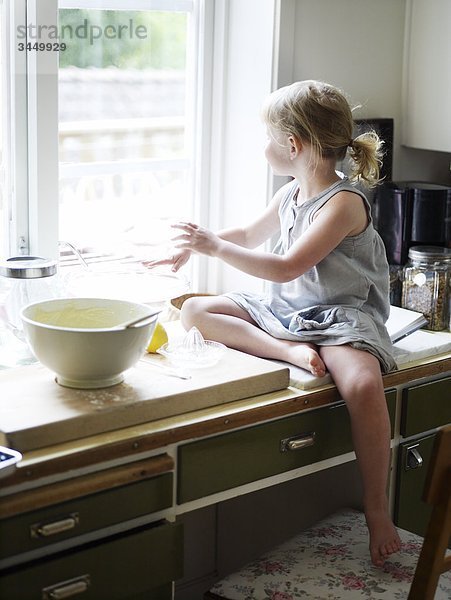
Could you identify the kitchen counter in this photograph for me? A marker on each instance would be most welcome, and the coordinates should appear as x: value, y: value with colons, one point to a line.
x: 86, y: 449
x: 137, y: 485
x: 35, y: 411
x: 408, y: 351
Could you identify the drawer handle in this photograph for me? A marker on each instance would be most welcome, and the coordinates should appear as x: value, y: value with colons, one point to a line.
x: 414, y: 460
x: 297, y: 442
x: 40, y: 530
x: 67, y: 589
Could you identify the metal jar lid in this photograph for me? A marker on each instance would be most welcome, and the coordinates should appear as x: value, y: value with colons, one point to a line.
x: 430, y: 254
x: 27, y: 267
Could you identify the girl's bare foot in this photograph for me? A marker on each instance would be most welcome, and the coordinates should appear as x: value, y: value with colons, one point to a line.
x: 384, y: 539
x: 305, y: 356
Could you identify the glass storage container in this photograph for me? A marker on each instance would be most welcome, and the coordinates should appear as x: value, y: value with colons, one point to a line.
x: 426, y: 284
x: 32, y: 279
x: 23, y: 280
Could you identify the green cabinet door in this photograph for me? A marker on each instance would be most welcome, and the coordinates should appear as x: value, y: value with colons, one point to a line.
x: 411, y: 512
x: 123, y: 567
x: 39, y: 528
x: 426, y: 407
x: 222, y: 462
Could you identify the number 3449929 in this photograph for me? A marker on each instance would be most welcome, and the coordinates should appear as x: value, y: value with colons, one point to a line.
x: 41, y: 47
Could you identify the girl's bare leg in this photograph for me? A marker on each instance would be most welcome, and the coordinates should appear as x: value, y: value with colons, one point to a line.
x: 221, y: 319
x: 357, y: 375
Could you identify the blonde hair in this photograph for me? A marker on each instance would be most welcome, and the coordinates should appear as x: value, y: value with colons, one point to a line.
x: 319, y: 114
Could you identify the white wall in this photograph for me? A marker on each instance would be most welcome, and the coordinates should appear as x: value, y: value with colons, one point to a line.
x: 358, y: 46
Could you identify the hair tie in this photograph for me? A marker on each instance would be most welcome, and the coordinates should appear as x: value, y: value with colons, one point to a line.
x: 351, y: 143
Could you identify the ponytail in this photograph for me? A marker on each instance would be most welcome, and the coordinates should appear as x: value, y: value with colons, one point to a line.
x: 366, y: 152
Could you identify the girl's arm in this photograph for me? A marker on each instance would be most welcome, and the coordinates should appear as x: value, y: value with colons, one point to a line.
x: 250, y: 236
x: 343, y: 215
x: 260, y: 230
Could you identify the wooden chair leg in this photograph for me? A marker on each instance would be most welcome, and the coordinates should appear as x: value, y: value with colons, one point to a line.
x: 432, y: 562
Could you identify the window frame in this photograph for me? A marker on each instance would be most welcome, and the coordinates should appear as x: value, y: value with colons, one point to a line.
x: 42, y: 113
x: 36, y: 207
x: 15, y: 133
x: 232, y: 176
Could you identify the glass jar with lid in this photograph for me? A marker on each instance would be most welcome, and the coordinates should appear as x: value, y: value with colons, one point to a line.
x: 31, y: 279
x: 23, y: 280
x: 426, y: 284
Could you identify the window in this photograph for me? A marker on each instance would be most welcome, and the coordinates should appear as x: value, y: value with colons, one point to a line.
x: 125, y: 90
x: 111, y: 110
x: 94, y: 164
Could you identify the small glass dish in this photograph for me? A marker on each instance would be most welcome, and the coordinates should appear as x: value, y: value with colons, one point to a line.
x: 193, y: 351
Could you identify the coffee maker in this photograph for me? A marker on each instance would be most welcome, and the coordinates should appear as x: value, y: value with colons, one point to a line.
x: 410, y: 214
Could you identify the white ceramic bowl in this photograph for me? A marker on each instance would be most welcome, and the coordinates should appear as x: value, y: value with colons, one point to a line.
x: 76, y: 338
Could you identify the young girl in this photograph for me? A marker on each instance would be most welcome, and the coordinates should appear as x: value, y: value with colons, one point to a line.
x: 327, y: 293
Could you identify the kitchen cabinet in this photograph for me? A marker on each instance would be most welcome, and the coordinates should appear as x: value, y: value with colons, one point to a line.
x: 227, y: 461
x: 424, y: 407
x: 427, y: 76
x: 96, y: 516
x: 103, y: 570
x: 411, y: 513
x: 103, y: 516
x: 38, y: 528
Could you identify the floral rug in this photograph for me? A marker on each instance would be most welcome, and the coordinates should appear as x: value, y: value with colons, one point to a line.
x: 329, y: 561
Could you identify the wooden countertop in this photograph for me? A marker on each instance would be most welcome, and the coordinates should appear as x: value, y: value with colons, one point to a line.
x: 135, y: 440
x: 36, y: 412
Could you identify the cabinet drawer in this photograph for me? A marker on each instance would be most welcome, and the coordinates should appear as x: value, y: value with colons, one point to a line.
x: 216, y: 464
x: 125, y: 566
x: 61, y: 521
x: 426, y: 406
x: 411, y: 512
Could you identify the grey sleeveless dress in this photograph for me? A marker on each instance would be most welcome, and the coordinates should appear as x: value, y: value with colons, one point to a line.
x: 344, y: 299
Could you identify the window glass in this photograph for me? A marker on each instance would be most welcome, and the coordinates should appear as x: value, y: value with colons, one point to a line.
x: 125, y: 156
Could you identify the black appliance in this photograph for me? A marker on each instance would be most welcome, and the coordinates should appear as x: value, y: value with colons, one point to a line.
x: 412, y: 214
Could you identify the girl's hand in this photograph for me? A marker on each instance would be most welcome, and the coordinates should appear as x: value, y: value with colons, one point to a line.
x: 177, y: 260
x: 197, y: 239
